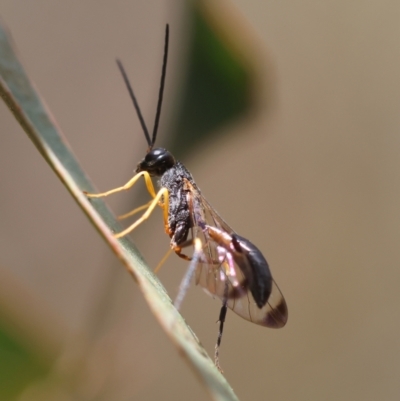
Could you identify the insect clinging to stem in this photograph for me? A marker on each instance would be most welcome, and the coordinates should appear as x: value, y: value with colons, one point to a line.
x: 225, y: 264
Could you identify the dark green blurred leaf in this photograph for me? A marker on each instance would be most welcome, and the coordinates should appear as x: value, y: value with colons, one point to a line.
x: 19, y: 367
x: 217, y: 86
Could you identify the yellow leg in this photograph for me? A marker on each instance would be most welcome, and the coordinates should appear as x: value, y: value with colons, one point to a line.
x: 129, y: 184
x: 165, y: 207
x: 134, y: 211
x: 163, y: 260
x: 162, y: 193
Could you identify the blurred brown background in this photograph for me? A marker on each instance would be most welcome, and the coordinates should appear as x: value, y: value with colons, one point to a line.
x: 312, y: 178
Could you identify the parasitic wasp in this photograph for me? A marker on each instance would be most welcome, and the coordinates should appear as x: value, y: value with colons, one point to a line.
x: 225, y: 264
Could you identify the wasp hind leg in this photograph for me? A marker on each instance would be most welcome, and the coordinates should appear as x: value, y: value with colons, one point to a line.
x: 183, y: 287
x: 221, y: 320
x: 178, y: 249
x: 174, y: 248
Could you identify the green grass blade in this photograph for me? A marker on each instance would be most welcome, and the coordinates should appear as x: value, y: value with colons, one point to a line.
x: 35, y: 118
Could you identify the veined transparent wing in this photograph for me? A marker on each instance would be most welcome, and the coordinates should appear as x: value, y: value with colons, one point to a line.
x: 234, y: 269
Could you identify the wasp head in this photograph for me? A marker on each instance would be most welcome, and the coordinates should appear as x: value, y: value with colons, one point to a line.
x: 156, y: 162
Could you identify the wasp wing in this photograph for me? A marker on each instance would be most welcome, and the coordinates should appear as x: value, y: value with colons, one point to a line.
x: 232, y: 288
x: 233, y: 269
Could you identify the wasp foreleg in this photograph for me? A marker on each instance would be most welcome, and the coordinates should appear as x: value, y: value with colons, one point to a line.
x: 162, y: 194
x: 128, y: 185
x: 134, y: 211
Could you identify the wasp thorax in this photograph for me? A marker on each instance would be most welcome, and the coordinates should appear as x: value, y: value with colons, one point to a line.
x: 156, y: 162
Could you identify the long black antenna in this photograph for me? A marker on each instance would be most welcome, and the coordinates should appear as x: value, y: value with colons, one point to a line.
x: 161, y: 91
x: 151, y: 141
x: 135, y: 103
